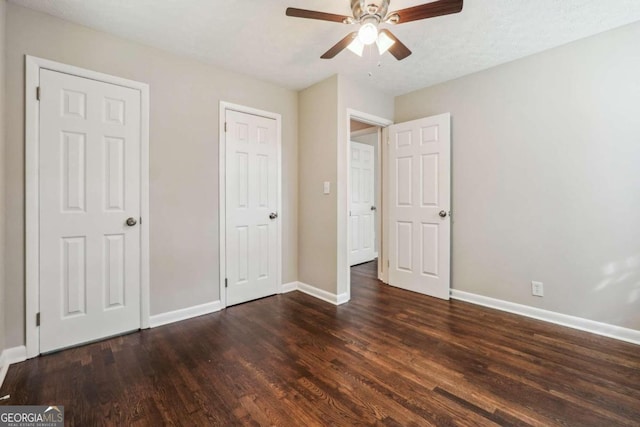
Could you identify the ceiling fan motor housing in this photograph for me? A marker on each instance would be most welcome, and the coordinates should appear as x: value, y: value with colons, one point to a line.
x: 369, y: 8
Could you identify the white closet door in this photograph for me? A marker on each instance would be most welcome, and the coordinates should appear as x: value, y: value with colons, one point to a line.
x: 89, y: 186
x: 251, y: 203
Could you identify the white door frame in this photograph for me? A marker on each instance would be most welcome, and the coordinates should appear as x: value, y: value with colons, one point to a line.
x: 343, y: 243
x: 222, y: 183
x: 33, y: 66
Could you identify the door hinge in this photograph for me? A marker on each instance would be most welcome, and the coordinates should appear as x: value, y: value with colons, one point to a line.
x: 141, y: 220
x: 38, y: 93
x: 37, y: 319
x: 226, y: 283
x: 225, y: 126
x: 388, y: 264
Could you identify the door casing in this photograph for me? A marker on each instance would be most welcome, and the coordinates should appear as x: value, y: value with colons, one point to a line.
x: 222, y: 205
x: 33, y: 65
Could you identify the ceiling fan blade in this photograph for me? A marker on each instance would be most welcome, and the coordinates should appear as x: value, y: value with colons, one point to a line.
x: 398, y: 49
x: 340, y: 46
x: 312, y: 14
x: 429, y: 10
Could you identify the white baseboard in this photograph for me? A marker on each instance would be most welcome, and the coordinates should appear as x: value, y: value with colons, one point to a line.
x: 289, y: 287
x: 599, y: 328
x: 322, y: 294
x: 342, y: 298
x: 212, y: 307
x: 10, y: 356
x: 184, y: 313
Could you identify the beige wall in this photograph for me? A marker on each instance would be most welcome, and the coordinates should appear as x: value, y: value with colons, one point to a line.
x: 546, y: 182
x: 355, y: 125
x: 3, y: 12
x: 318, y: 134
x: 185, y: 97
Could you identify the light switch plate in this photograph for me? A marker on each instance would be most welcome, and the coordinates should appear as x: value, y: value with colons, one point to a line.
x: 537, y: 289
x: 327, y: 187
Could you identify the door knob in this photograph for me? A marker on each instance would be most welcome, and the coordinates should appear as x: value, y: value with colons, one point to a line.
x: 442, y: 214
x: 131, y: 221
x: 273, y: 215
x: 373, y: 208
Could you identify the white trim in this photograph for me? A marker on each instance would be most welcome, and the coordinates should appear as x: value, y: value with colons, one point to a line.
x: 323, y: 295
x: 288, y: 287
x: 32, y: 120
x: 383, y: 257
x: 369, y: 119
x: 184, y: 313
x: 598, y: 328
x: 344, y: 187
x: 222, y: 207
x: 10, y: 356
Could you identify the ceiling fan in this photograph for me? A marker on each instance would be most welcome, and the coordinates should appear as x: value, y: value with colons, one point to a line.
x: 369, y: 14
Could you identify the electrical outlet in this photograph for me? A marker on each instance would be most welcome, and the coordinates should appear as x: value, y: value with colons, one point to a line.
x: 537, y: 289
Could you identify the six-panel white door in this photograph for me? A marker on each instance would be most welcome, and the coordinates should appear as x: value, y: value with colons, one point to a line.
x: 419, y: 221
x: 362, y: 210
x: 251, y: 207
x: 89, y: 178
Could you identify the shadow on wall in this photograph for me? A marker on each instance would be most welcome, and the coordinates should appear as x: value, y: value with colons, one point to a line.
x: 624, y: 273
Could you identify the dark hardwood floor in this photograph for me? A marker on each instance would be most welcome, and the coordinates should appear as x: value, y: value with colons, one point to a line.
x: 387, y: 357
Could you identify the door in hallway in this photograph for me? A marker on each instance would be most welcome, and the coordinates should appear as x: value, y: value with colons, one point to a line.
x: 362, y: 207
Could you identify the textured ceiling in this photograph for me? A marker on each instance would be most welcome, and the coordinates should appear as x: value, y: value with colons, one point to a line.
x: 256, y: 38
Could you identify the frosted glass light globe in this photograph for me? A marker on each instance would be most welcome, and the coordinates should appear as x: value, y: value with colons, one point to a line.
x: 368, y: 33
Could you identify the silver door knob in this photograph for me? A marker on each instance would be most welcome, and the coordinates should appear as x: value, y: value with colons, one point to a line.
x: 273, y: 215
x: 442, y: 214
x: 131, y: 221
x: 373, y: 208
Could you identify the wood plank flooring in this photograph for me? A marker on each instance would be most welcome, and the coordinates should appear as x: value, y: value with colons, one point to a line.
x: 388, y: 357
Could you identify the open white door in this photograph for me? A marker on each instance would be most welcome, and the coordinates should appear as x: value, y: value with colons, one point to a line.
x: 419, y: 221
x: 362, y: 209
x: 251, y: 206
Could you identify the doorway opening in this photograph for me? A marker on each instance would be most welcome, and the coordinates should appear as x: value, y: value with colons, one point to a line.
x: 368, y: 131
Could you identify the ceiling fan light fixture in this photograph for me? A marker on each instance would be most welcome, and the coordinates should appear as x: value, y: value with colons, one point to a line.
x: 356, y: 46
x: 384, y: 42
x: 368, y: 33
